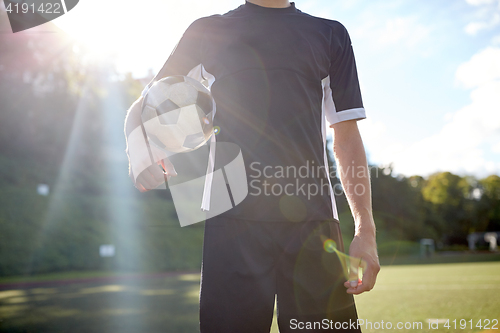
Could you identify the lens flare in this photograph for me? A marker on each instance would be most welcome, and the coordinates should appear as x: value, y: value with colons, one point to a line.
x: 320, y: 248
x: 330, y: 246
x: 351, y: 266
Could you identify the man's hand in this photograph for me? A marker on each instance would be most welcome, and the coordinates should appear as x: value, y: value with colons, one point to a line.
x: 149, y: 179
x: 363, y: 253
x: 153, y: 176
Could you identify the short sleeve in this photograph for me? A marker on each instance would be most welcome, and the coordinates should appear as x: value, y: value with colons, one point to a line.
x: 341, y: 87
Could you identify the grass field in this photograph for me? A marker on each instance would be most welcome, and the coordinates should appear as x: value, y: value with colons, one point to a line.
x: 412, y: 293
x: 469, y: 291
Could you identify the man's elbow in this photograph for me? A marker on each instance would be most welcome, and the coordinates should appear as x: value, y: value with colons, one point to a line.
x: 346, y: 135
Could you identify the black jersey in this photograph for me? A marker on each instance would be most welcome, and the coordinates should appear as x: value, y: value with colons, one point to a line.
x: 275, y: 75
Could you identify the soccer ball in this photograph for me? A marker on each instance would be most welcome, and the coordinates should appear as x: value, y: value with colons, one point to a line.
x: 177, y: 113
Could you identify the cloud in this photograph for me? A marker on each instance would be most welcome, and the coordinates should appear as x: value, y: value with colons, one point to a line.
x: 374, y: 134
x: 469, y: 141
x: 481, y: 2
x: 403, y: 29
x: 371, y: 130
x: 496, y: 148
x: 488, y: 13
x: 474, y: 27
x: 482, y: 68
x: 400, y: 31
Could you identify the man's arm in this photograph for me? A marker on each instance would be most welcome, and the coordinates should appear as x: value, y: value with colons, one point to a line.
x: 350, y: 153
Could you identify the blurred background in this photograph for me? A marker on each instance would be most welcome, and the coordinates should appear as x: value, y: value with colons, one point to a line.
x: 79, y: 242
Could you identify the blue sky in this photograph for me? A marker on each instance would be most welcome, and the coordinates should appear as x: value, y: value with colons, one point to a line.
x: 429, y: 70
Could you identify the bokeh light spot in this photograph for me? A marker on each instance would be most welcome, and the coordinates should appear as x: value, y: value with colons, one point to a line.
x: 329, y: 245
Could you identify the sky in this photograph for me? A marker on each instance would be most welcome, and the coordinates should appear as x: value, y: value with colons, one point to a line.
x: 429, y: 70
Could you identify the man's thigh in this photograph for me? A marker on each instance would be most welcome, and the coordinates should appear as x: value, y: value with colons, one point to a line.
x: 238, y: 278
x: 310, y: 280
x: 245, y: 263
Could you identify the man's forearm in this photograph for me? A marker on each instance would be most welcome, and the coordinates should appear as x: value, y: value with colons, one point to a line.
x: 352, y: 168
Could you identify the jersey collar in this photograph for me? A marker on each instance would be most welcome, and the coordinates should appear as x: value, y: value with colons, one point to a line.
x: 266, y: 10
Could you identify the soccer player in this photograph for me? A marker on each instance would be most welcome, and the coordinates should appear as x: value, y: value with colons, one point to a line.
x: 276, y: 75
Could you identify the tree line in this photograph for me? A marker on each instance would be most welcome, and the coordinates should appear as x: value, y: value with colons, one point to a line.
x: 443, y: 206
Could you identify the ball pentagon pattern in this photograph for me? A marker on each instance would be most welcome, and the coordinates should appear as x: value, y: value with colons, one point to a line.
x: 177, y: 113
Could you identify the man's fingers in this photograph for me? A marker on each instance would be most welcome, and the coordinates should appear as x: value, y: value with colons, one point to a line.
x: 370, y: 271
x: 366, y: 284
x: 354, y: 266
x: 157, y: 175
x: 144, y: 182
x: 140, y: 187
x: 370, y: 274
x: 347, y: 284
x: 361, y: 288
x: 150, y: 179
x: 168, y: 167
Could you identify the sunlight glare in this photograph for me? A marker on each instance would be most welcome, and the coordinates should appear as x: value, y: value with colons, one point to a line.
x: 136, y: 36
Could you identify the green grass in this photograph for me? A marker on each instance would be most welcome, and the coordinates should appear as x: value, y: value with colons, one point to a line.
x: 442, y: 291
x: 412, y: 293
x: 441, y: 258
x: 164, y: 304
x: 56, y: 276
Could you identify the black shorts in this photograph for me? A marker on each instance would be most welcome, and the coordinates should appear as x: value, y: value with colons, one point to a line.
x: 246, y: 264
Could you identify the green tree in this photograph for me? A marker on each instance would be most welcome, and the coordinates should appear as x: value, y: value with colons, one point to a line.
x: 396, y: 202
x: 489, y: 203
x: 450, y: 205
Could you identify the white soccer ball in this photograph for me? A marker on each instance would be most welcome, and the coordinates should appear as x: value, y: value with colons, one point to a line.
x: 177, y: 113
